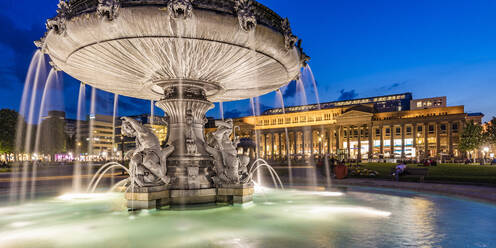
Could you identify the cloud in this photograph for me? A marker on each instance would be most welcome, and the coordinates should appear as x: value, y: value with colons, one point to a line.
x: 393, y: 86
x: 347, y: 95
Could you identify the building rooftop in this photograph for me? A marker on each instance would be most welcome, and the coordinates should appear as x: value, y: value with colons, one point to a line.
x: 377, y: 99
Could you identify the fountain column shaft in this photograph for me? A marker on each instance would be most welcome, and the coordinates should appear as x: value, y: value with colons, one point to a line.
x: 189, y: 165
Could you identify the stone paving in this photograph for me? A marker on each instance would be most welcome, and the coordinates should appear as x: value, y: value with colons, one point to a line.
x: 481, y: 193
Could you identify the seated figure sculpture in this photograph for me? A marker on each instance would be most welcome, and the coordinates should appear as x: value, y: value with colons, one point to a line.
x: 148, y: 161
x: 229, y: 167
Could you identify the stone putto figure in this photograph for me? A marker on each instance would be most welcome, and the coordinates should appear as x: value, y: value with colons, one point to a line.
x: 229, y: 167
x: 148, y: 161
x: 190, y: 134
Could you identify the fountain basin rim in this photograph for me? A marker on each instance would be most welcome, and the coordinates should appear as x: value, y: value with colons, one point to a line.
x: 265, y: 15
x: 121, y: 55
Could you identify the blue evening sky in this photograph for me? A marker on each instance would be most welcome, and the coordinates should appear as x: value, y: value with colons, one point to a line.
x: 359, y: 48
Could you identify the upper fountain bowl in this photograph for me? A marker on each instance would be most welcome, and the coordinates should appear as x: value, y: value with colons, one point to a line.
x: 234, y: 49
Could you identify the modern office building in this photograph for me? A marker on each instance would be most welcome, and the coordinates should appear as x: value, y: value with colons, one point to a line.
x: 434, y: 102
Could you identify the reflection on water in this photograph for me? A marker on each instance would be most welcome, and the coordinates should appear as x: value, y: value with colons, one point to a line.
x: 276, y: 219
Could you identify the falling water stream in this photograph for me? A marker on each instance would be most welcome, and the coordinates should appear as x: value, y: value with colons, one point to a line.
x: 39, y: 77
x: 114, y: 119
x: 311, y: 175
x: 91, y: 129
x: 308, y: 71
x: 221, y: 109
x: 36, y: 68
x: 52, y: 80
x: 152, y: 113
x: 76, y: 181
x: 288, y: 153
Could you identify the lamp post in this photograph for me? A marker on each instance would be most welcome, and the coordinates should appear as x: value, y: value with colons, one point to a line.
x: 486, y: 151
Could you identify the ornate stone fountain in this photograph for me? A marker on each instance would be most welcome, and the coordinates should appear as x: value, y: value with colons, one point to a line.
x: 184, y: 54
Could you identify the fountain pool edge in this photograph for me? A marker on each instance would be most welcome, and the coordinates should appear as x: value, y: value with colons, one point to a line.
x: 483, y: 194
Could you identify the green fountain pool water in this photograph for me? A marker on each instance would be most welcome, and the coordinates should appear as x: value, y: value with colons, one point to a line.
x: 356, y: 217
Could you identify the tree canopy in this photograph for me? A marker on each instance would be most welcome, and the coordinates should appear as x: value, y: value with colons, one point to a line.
x: 490, y: 132
x: 8, y: 125
x: 472, y: 137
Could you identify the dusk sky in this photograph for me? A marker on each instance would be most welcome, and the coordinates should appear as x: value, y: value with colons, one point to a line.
x: 359, y: 48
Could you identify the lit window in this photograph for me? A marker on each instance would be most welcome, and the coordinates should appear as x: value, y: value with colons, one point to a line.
x: 431, y: 129
x: 455, y: 127
x: 443, y: 127
x: 409, y: 130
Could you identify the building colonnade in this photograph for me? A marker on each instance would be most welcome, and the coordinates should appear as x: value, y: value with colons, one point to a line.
x: 381, y: 140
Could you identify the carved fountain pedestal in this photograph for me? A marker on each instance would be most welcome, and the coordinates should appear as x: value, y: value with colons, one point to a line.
x: 190, y: 166
x: 190, y: 169
x: 148, y: 197
x: 235, y: 194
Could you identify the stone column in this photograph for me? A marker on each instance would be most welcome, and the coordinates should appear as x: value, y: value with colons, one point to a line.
x: 426, y: 140
x: 273, y: 140
x: 259, y: 141
x: 311, y: 142
x: 348, y: 131
x: 414, y: 133
x: 265, y: 146
x: 359, y: 156
x: 391, y: 132
x: 280, y: 146
x: 403, y: 155
x: 190, y: 163
x: 382, y: 140
x: 295, y: 144
x: 438, y: 140
x: 331, y: 140
x: 371, y: 141
x: 450, y: 139
x: 303, y: 142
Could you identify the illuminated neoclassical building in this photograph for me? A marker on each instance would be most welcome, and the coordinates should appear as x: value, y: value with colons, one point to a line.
x: 394, y: 126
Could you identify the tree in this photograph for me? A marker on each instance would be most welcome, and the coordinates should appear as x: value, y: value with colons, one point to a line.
x: 8, y: 125
x: 490, y: 132
x: 472, y: 137
x: 52, y: 136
